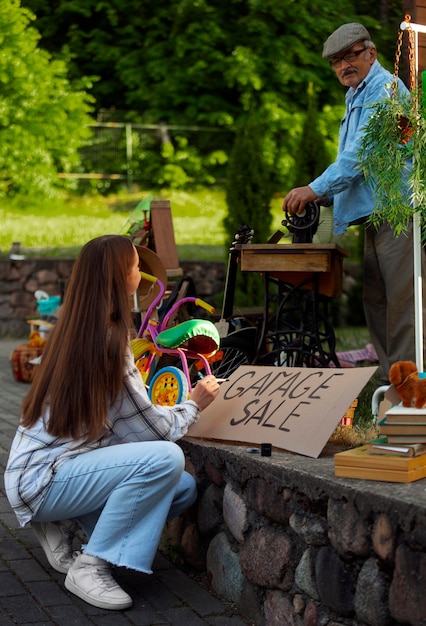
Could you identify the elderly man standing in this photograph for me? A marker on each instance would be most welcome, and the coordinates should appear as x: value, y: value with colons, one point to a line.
x: 388, y: 289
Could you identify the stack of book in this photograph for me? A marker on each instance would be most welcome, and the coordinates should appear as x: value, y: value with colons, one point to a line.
x: 397, y: 455
x: 402, y: 425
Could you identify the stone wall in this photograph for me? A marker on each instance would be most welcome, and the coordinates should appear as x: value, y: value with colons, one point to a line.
x: 291, y: 544
x: 19, y: 280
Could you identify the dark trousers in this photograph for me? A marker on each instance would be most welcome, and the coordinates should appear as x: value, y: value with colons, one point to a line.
x: 388, y: 294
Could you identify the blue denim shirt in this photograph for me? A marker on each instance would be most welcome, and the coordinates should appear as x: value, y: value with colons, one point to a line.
x: 343, y: 180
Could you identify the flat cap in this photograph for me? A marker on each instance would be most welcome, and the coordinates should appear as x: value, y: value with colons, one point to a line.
x: 343, y: 38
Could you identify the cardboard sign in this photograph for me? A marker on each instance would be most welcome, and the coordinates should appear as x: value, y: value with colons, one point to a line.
x: 294, y: 408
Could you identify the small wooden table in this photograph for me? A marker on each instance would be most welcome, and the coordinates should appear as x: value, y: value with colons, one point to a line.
x: 299, y: 281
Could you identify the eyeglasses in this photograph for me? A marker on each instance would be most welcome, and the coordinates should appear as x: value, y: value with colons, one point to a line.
x: 350, y: 57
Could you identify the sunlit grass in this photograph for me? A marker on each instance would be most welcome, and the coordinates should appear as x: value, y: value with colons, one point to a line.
x: 351, y: 338
x: 70, y: 221
x: 55, y: 223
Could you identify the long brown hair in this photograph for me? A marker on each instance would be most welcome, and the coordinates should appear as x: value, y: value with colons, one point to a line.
x: 81, y: 370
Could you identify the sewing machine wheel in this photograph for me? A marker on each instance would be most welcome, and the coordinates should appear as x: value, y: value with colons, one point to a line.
x: 303, y: 227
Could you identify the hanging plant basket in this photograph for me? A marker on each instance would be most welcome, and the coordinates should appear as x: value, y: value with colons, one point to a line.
x: 393, y: 156
x: 405, y: 129
x: 393, y: 159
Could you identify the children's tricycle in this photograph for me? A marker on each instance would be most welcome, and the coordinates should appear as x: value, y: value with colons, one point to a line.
x: 193, y: 339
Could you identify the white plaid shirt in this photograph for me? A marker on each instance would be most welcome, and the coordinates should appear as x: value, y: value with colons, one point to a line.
x: 35, y: 455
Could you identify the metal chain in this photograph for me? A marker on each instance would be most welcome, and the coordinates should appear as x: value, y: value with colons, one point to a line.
x: 411, y: 57
x: 396, y: 66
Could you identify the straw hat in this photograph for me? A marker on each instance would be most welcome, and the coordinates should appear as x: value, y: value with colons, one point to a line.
x: 150, y: 263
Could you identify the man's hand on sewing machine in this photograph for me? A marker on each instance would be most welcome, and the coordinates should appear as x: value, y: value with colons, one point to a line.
x: 296, y: 200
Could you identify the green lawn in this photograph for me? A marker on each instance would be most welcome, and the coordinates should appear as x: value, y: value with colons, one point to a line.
x: 61, y: 225
x: 70, y: 221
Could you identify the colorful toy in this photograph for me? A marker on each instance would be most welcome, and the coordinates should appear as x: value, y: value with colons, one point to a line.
x: 195, y: 339
x: 409, y: 386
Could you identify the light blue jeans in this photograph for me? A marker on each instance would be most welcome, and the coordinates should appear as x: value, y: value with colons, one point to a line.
x: 122, y: 496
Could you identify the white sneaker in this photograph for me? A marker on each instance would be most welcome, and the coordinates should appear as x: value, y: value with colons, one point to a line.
x: 56, y: 539
x: 90, y: 579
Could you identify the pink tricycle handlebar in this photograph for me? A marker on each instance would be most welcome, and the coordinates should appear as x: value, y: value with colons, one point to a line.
x: 187, y: 300
x: 156, y: 281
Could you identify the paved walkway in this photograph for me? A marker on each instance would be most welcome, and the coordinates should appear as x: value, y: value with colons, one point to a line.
x: 31, y: 592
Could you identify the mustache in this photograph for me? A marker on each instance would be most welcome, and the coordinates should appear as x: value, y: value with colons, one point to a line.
x: 347, y: 72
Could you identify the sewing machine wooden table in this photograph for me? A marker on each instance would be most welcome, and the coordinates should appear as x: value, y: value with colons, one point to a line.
x: 299, y: 282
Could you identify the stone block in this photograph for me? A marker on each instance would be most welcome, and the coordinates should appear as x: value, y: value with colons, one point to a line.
x: 383, y: 538
x: 22, y: 299
x: 348, y: 530
x: 269, y: 499
x: 304, y: 576
x: 9, y: 287
x: 407, y: 597
x: 223, y: 567
x: 250, y: 602
x: 310, y: 616
x: 64, y: 268
x: 47, y: 276
x: 311, y: 528
x: 214, y: 473
x: 267, y: 558
x: 6, y: 310
x: 24, y: 269
x: 209, y: 514
x: 278, y: 611
x: 371, y: 595
x: 172, y: 532
x: 235, y: 513
x: 335, y: 581
x: 193, y: 547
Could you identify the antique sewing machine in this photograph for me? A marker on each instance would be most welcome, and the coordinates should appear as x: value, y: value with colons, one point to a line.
x: 300, y: 278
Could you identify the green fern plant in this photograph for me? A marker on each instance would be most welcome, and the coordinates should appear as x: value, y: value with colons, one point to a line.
x: 393, y: 159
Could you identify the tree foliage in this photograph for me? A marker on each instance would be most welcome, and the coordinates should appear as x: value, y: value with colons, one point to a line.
x: 249, y: 185
x: 42, y: 119
x: 203, y: 60
x: 249, y: 189
x: 312, y: 156
x: 187, y: 60
x: 209, y: 63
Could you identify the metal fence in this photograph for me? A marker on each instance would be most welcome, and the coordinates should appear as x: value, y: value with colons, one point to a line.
x: 117, y: 150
